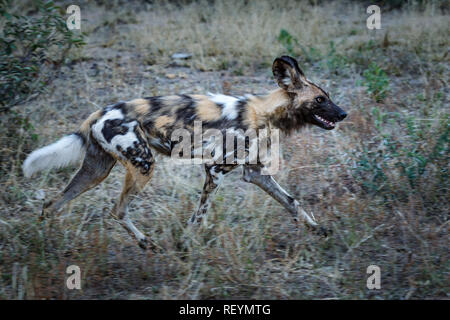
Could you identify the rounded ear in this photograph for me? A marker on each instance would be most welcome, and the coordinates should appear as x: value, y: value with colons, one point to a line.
x: 288, y: 74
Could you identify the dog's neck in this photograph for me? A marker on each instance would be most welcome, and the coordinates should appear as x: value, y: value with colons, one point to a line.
x: 275, y: 109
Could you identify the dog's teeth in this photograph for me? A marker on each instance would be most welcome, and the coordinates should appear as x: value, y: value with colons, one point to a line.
x: 327, y: 122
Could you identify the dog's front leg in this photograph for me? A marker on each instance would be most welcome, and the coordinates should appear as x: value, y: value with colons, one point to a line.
x: 253, y: 175
x: 214, y: 176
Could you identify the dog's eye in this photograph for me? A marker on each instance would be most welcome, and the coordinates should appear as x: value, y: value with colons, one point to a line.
x: 320, y: 99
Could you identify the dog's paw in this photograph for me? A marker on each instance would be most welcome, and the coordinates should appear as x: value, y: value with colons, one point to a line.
x: 324, y: 232
x: 143, y: 243
x: 319, y: 230
x: 148, y: 246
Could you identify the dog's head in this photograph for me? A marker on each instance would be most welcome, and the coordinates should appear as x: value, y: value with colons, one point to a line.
x: 309, y: 103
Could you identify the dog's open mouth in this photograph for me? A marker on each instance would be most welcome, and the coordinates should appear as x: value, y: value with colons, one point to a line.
x: 324, y: 123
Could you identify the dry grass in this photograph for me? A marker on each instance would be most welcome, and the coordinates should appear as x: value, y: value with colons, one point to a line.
x: 351, y: 178
x: 236, y: 34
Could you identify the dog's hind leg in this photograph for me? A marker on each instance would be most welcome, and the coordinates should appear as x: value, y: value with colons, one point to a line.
x: 133, y: 184
x: 253, y: 175
x: 125, y: 139
x: 95, y: 168
x: 214, y: 176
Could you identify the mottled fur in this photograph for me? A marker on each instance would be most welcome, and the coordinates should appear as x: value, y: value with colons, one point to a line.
x: 128, y: 132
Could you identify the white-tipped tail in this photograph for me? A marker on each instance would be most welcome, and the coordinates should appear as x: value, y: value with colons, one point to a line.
x: 63, y: 152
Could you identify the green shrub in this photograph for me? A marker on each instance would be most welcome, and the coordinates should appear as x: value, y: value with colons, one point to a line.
x: 403, y: 156
x: 31, y: 50
x: 332, y: 61
x: 376, y: 81
x: 335, y: 62
x: 287, y: 41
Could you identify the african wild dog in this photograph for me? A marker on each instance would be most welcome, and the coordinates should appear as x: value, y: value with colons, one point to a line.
x: 129, y: 132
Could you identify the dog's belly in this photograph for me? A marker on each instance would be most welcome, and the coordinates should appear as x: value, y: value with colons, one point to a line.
x: 226, y: 146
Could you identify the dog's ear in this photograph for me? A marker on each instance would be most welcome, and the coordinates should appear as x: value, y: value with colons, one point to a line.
x: 288, y: 74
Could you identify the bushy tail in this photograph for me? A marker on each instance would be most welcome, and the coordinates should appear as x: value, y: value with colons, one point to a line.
x: 67, y: 150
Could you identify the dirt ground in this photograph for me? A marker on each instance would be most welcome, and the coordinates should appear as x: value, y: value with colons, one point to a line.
x: 379, y: 181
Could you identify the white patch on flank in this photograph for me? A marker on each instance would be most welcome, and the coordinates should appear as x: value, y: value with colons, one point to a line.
x: 229, y: 110
x: 122, y: 140
x: 63, y: 152
x: 125, y: 140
